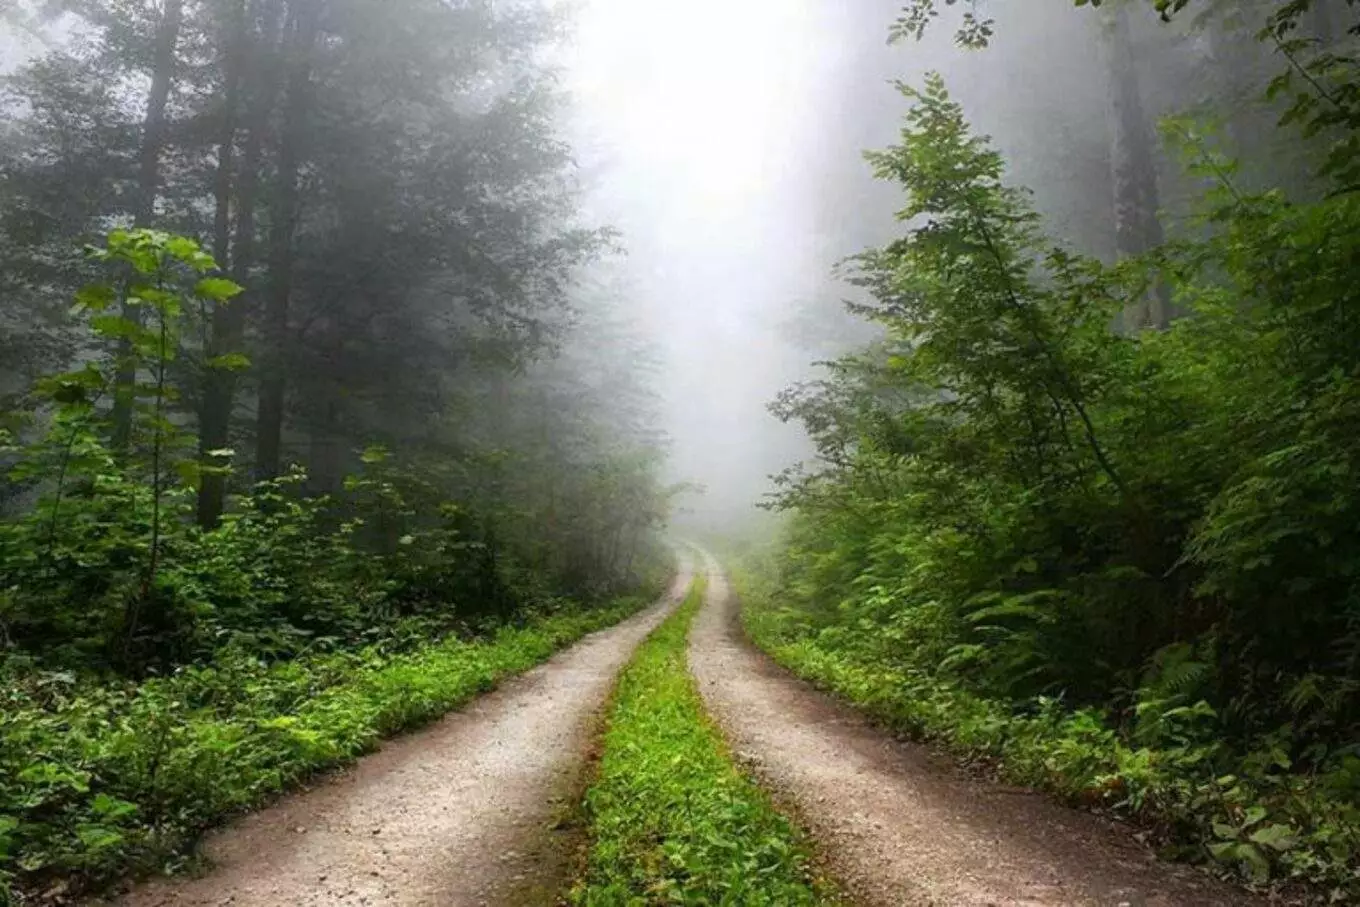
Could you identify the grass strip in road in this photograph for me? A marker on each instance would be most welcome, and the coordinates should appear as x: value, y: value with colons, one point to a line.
x: 104, y: 782
x: 672, y: 820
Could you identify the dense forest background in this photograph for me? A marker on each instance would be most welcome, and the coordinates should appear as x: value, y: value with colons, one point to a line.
x: 1085, y: 507
x: 387, y: 260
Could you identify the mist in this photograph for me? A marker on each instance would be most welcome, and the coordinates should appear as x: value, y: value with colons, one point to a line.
x: 722, y: 145
x: 725, y: 143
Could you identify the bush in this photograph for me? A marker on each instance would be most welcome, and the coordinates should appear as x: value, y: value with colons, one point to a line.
x: 1124, y: 565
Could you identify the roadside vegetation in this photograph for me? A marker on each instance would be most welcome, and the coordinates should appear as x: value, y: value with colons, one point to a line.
x: 1119, y: 565
x: 101, y: 779
x: 672, y: 820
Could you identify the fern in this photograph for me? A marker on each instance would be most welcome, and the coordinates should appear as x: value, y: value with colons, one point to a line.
x: 1175, y: 672
x: 1170, y: 700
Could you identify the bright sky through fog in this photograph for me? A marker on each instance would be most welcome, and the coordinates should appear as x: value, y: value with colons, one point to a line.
x: 694, y: 118
x: 699, y: 93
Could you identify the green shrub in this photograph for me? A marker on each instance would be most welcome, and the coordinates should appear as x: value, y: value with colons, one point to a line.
x: 1125, y: 566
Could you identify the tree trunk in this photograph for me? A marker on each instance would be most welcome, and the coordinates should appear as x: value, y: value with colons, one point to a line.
x: 273, y: 385
x: 144, y: 205
x: 327, y: 462
x: 260, y: 58
x: 1232, y: 82
x: 214, y: 418
x: 1133, y: 167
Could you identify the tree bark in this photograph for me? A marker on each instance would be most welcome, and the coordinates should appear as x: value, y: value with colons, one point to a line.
x: 260, y: 56
x: 304, y: 28
x: 214, y: 419
x: 1133, y: 166
x: 144, y: 204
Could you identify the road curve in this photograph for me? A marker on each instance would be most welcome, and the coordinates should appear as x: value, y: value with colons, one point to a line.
x: 458, y: 814
x: 899, y: 825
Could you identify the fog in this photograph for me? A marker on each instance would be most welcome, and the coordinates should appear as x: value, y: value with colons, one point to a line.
x: 724, y: 140
x: 699, y: 142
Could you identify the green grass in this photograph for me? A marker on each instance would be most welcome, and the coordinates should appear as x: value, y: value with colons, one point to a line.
x: 672, y: 820
x: 97, y: 782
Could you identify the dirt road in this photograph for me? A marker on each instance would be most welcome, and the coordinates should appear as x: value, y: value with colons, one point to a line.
x: 897, y: 823
x: 459, y: 814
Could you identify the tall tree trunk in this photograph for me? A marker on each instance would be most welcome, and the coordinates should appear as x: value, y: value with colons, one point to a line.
x: 283, y: 225
x: 148, y: 185
x: 1231, y: 82
x: 327, y: 462
x: 1133, y: 166
x: 214, y: 418
x: 258, y: 75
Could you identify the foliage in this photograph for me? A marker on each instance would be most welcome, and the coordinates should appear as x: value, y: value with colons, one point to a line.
x: 1056, y: 542
x: 100, y: 779
x: 412, y: 292
x: 673, y: 821
x: 1202, y: 801
x: 976, y: 31
x: 107, y: 568
x: 337, y: 241
x: 84, y: 566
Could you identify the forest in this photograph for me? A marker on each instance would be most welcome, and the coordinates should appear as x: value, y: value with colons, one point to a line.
x: 354, y: 438
x: 295, y: 387
x: 1092, y: 521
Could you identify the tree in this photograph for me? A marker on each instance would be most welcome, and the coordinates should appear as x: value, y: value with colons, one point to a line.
x: 1137, y: 214
x: 303, y: 31
x: 976, y: 30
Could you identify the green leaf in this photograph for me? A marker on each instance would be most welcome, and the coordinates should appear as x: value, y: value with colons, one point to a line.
x: 1234, y: 852
x: 1277, y: 837
x: 69, y: 392
x: 96, y: 298
x: 230, y: 362
x: 182, y: 247
x: 98, y: 837
x: 112, y: 808
x: 189, y: 471
x: 218, y: 288
x: 7, y: 826
x: 115, y: 327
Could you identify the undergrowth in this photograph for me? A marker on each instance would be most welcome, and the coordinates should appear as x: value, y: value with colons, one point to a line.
x: 672, y: 820
x: 1254, y: 819
x: 97, y: 781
